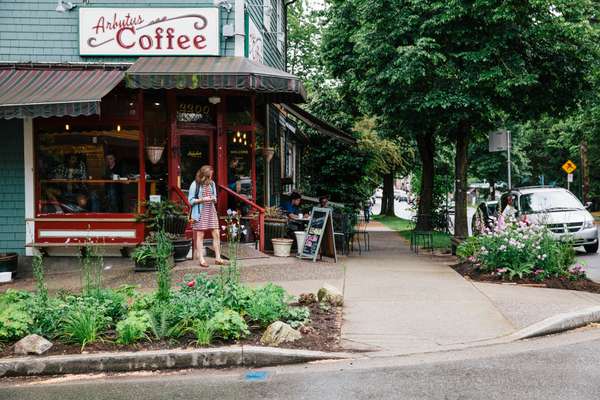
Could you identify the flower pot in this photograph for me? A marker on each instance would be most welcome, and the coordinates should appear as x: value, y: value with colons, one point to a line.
x: 9, y: 262
x: 268, y: 153
x: 282, y: 247
x: 274, y: 229
x: 300, y: 235
x: 182, y: 248
x: 176, y: 224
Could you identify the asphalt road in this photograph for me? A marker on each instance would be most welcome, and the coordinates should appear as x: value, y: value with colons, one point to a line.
x: 558, y: 367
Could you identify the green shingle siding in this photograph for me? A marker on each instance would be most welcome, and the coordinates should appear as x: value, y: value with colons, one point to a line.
x: 12, y: 189
x: 31, y: 30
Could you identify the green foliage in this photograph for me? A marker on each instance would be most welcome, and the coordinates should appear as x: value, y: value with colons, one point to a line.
x: 164, y: 323
x: 92, y: 263
x: 38, y: 275
x: 267, y: 305
x: 15, y: 319
x: 516, y: 249
x: 84, y: 324
x: 229, y: 325
x: 203, y: 331
x: 157, y: 212
x: 297, y: 316
x: 47, y: 317
x: 133, y: 328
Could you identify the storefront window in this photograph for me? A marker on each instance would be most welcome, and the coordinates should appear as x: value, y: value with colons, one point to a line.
x: 239, y: 111
x: 194, y: 110
x: 156, y: 128
x: 87, y: 171
x: 239, y: 170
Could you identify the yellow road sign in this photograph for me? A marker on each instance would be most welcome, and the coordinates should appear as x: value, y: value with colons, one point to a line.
x: 569, y: 167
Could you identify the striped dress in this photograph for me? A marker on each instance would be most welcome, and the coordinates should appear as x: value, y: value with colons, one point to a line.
x: 208, y: 215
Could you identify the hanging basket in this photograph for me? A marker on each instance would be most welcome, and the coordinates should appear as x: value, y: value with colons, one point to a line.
x: 154, y: 153
x: 268, y: 153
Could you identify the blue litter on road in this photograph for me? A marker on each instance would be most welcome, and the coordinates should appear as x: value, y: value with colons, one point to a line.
x: 254, y: 376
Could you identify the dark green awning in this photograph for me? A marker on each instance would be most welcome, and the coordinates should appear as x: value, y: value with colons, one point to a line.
x: 219, y: 73
x: 318, y: 124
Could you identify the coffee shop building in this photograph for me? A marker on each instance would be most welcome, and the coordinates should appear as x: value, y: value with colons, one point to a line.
x: 105, y: 106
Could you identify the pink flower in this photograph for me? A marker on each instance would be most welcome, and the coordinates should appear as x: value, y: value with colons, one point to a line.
x: 191, y: 283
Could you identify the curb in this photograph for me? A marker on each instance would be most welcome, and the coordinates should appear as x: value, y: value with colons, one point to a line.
x: 559, y: 323
x: 222, y: 357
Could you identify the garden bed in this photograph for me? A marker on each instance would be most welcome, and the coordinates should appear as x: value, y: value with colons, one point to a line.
x: 469, y: 271
x: 323, y: 335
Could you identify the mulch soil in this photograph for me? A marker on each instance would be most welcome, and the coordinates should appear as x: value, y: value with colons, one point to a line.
x: 467, y: 270
x: 322, y: 333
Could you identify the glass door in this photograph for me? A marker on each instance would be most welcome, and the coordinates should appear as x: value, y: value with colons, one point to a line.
x: 192, y: 150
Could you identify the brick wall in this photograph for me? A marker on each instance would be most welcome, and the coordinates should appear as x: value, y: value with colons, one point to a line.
x: 12, y: 190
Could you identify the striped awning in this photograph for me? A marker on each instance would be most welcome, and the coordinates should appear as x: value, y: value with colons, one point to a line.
x: 219, y: 73
x: 53, y: 92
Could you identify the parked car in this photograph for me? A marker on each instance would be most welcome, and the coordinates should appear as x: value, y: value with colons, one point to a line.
x: 556, y: 208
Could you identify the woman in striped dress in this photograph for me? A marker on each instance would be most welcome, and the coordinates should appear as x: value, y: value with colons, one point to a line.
x: 203, y: 197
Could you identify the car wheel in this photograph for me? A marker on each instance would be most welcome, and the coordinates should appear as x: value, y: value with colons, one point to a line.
x: 591, y: 248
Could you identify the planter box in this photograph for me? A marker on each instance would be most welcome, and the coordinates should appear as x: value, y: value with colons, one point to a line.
x: 150, y: 265
x: 182, y: 248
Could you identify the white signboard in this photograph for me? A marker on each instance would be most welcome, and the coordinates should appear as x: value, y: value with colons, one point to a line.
x: 255, y: 43
x: 148, y: 31
x: 498, y: 140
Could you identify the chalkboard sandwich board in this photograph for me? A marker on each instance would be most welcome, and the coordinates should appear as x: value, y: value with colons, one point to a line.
x: 319, y: 235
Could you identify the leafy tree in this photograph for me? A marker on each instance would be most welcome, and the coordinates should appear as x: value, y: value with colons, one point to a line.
x: 459, y: 67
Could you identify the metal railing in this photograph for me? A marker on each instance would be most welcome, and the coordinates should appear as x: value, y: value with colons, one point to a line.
x: 261, y: 214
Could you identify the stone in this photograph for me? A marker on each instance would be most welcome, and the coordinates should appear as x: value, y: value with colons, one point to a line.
x: 330, y: 294
x: 32, y: 344
x: 279, y: 332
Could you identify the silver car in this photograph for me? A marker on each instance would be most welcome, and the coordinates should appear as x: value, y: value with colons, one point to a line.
x: 557, y: 208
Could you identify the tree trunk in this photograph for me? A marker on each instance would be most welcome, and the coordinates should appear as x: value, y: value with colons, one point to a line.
x: 492, y: 191
x: 426, y: 146
x: 585, y: 171
x: 387, y: 198
x: 461, y: 229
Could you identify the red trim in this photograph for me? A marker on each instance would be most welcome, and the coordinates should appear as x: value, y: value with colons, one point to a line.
x: 261, y: 214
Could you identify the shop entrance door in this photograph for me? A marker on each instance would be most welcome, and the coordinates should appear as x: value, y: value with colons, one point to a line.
x: 191, y: 150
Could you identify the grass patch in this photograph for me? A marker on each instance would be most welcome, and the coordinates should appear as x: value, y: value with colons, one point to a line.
x: 441, y: 240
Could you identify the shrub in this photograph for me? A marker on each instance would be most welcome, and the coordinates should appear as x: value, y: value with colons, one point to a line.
x: 297, y: 316
x: 84, y: 325
x: 164, y: 250
x: 203, y: 331
x: 133, y: 328
x: 267, y: 304
x: 112, y: 301
x: 164, y: 323
x: 229, y: 324
x: 47, y: 317
x: 15, y: 321
x: 518, y: 249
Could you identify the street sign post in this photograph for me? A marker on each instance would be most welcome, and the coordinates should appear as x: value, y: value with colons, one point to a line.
x: 569, y: 167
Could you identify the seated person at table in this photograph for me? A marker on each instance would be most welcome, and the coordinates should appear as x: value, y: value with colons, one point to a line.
x: 113, y: 191
x: 324, y: 201
x: 291, y: 209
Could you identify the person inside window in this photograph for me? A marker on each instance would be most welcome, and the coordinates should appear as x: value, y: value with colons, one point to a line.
x: 113, y: 190
x: 74, y: 171
x: 324, y: 201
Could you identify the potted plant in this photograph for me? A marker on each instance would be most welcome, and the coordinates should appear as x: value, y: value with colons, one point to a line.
x: 282, y: 247
x: 173, y: 220
x: 275, y: 226
x: 147, y: 254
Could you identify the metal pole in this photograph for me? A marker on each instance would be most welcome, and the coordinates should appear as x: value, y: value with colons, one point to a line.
x: 508, y: 158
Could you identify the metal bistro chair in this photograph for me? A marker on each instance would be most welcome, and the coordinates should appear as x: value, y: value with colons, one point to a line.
x: 420, y: 237
x: 345, y: 233
x: 362, y: 231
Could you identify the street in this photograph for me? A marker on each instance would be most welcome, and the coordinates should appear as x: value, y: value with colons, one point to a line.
x: 556, y: 367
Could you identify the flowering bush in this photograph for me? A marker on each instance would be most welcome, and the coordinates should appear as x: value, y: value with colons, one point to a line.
x: 520, y: 249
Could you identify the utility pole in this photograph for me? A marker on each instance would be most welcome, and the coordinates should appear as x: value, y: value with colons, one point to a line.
x: 508, y: 159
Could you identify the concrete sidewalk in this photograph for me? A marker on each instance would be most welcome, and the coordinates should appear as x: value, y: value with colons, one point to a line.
x: 400, y: 303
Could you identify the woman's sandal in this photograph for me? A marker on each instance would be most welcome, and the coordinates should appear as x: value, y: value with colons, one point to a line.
x: 204, y: 265
x: 221, y: 262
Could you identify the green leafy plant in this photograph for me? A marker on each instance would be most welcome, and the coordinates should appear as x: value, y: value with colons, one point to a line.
x: 84, y: 325
x: 164, y: 323
x: 133, y: 328
x: 92, y: 264
x: 297, y: 316
x: 267, y: 304
x: 15, y: 320
x: 143, y: 253
x: 40, y: 280
x: 157, y: 212
x: 203, y: 331
x: 164, y: 250
x: 229, y: 324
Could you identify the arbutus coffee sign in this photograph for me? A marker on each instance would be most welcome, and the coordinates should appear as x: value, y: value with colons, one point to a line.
x: 148, y: 31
